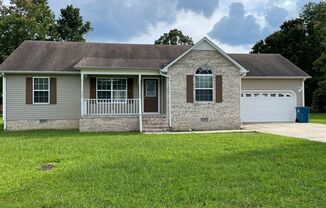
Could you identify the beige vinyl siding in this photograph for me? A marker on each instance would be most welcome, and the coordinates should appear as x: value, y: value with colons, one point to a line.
x: 274, y: 84
x: 68, y: 100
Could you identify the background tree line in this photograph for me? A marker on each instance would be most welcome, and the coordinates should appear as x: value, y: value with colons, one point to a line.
x: 303, y: 42
x: 34, y: 20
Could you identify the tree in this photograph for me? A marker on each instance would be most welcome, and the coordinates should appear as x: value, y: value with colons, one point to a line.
x: 298, y: 41
x: 174, y: 37
x: 319, y: 96
x: 25, y: 20
x: 33, y: 20
x: 70, y: 25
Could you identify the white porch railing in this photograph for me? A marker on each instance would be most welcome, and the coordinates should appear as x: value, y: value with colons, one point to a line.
x: 111, y: 107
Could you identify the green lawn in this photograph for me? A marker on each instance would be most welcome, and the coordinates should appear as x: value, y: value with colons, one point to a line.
x: 134, y: 170
x: 318, y: 118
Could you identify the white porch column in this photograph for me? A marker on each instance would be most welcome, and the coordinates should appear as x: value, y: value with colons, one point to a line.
x: 168, y: 96
x: 82, y: 94
x: 303, y: 93
x: 4, y: 101
x: 170, y: 105
x: 140, y: 103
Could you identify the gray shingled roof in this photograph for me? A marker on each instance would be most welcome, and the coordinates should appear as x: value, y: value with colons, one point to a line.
x: 121, y: 63
x: 64, y: 56
x: 268, y: 65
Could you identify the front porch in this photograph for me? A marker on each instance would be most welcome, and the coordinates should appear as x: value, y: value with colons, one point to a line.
x: 116, y: 102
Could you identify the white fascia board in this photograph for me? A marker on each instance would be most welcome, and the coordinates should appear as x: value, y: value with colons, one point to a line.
x: 242, y: 69
x: 275, y: 77
x: 40, y: 72
x: 121, y: 71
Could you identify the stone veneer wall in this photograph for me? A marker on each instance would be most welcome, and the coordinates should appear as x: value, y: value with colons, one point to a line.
x: 109, y: 124
x: 21, y: 125
x: 210, y: 115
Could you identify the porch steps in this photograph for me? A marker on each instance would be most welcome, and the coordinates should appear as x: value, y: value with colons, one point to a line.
x: 155, y: 123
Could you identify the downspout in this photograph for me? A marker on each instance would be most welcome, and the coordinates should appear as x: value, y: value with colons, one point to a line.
x: 303, y: 93
x: 140, y: 103
x: 241, y: 75
x: 82, y: 94
x: 169, y: 98
x: 4, y: 101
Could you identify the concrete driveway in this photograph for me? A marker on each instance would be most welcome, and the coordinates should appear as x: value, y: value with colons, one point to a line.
x: 315, y: 132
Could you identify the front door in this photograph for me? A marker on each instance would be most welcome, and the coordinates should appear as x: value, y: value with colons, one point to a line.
x: 150, y: 96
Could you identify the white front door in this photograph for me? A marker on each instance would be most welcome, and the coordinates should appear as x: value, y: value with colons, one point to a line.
x: 268, y: 106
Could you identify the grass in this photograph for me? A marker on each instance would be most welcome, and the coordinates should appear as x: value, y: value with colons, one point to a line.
x: 318, y: 118
x: 134, y: 170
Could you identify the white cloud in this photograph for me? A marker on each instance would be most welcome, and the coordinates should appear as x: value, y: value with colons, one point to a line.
x: 193, y: 21
x: 195, y: 25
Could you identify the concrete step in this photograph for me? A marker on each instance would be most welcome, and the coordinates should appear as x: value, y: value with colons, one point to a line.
x: 153, y: 119
x: 155, y: 123
x: 155, y: 127
x: 155, y: 130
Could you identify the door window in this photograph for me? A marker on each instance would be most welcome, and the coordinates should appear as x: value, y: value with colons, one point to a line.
x: 150, y: 88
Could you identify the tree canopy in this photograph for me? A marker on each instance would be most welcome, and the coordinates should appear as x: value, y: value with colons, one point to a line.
x: 174, y: 37
x: 24, y: 20
x: 319, y: 96
x: 70, y: 25
x: 302, y: 41
x: 33, y: 20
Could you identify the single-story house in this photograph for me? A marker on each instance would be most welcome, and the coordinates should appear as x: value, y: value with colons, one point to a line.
x: 133, y: 87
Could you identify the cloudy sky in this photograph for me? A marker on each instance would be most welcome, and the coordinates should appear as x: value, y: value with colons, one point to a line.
x: 235, y: 25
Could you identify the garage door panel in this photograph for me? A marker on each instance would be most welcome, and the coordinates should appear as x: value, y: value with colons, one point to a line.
x: 267, y: 107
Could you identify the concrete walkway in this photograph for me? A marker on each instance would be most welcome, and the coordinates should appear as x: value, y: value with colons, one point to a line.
x: 202, y: 132
x: 314, y: 132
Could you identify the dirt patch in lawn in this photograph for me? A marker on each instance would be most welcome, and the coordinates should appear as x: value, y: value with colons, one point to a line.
x: 47, y: 167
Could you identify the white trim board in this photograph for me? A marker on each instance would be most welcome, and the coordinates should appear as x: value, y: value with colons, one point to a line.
x: 273, y: 77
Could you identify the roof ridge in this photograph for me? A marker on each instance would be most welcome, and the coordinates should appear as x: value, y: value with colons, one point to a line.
x: 125, y: 58
x: 102, y: 43
x: 254, y: 54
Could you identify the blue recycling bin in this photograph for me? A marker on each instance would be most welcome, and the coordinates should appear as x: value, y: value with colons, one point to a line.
x: 303, y: 114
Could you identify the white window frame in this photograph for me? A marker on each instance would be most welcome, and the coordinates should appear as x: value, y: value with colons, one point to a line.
x: 112, y: 100
x: 212, y: 88
x: 48, y: 90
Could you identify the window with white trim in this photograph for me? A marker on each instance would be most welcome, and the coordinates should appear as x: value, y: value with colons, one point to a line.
x: 112, y: 89
x: 41, y: 90
x: 204, y: 84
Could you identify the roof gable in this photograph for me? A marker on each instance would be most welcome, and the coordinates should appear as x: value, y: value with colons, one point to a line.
x: 206, y: 44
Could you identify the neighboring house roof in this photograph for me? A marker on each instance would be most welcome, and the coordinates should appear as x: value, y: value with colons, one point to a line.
x: 268, y: 65
x: 68, y: 57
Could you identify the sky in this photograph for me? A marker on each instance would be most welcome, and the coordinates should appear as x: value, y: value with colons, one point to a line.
x: 234, y: 25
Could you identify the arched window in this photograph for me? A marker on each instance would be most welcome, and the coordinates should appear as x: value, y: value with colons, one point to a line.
x: 204, y: 84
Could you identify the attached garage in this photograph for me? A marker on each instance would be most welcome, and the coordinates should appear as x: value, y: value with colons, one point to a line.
x: 268, y: 106
x: 271, y: 89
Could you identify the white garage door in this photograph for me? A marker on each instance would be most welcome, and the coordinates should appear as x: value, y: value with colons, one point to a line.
x: 268, y: 106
